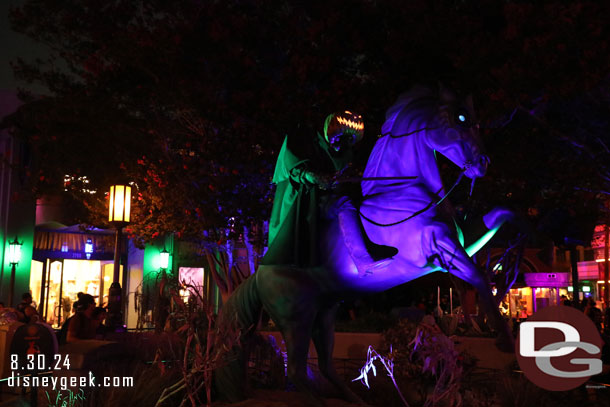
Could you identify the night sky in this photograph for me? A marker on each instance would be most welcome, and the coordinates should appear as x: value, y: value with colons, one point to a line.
x: 14, y: 45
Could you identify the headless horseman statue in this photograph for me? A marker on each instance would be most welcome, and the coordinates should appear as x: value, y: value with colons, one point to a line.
x: 306, y: 196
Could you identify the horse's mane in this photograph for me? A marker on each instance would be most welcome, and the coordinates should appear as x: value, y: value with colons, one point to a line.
x: 411, y: 111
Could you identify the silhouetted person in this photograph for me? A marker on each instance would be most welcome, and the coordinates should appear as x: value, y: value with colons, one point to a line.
x: 99, y: 316
x: 595, y: 314
x: 81, y: 325
x: 63, y: 332
x: 26, y: 301
x: 30, y: 314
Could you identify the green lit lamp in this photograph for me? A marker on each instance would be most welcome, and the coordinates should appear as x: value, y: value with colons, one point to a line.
x: 14, y: 255
x: 164, y: 259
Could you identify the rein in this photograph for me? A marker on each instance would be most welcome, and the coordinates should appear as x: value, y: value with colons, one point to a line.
x: 359, y: 179
x: 430, y: 205
x: 389, y: 133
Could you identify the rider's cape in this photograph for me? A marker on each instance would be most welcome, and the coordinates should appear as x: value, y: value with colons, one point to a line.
x: 294, y: 227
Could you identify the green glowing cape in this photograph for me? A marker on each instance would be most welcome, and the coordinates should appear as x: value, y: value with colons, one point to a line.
x: 295, y: 217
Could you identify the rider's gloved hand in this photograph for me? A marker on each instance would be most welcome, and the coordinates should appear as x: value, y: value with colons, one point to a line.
x: 310, y: 178
x: 324, y: 182
x: 321, y: 181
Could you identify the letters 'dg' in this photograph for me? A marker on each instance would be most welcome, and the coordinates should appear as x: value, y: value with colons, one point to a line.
x: 543, y: 356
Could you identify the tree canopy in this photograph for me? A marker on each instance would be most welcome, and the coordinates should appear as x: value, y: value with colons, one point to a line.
x: 190, y: 100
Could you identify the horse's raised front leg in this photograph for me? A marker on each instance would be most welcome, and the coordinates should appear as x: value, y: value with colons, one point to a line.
x: 324, y: 341
x: 479, y: 232
x: 441, y: 247
x: 497, y: 217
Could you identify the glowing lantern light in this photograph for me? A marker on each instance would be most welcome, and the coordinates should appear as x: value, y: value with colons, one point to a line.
x: 164, y: 259
x: 119, y: 203
x: 88, y: 248
x: 14, y: 251
x: 185, y: 294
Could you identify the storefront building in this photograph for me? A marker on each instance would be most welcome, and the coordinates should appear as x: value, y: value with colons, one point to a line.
x: 546, y: 278
x: 550, y: 284
x: 66, y: 261
x: 57, y: 261
x: 591, y: 280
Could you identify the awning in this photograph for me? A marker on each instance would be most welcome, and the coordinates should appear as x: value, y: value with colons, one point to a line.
x: 54, y: 240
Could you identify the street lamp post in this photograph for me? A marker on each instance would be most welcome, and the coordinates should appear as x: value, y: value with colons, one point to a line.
x: 164, y: 302
x: 14, y: 255
x: 119, y: 208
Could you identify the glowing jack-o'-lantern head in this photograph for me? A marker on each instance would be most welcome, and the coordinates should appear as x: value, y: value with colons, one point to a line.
x: 344, y: 128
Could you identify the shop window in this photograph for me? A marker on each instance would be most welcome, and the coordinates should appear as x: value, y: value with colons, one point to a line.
x: 64, y: 280
x: 192, y: 282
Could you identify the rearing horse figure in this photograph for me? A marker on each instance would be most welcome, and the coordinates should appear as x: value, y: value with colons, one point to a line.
x: 403, y: 207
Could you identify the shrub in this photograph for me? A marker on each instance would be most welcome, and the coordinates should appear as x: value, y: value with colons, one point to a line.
x: 426, y: 362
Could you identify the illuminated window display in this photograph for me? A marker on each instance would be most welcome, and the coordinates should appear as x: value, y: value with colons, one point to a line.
x: 65, y: 279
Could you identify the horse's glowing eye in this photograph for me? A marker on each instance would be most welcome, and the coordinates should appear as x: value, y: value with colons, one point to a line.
x: 462, y: 118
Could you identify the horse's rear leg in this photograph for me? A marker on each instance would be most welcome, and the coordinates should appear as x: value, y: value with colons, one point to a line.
x: 446, y: 252
x: 324, y: 341
x: 297, y: 335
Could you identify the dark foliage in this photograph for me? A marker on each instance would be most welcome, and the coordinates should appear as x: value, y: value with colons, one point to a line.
x: 190, y: 100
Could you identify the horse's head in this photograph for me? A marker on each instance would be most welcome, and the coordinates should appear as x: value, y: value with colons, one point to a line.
x: 456, y: 134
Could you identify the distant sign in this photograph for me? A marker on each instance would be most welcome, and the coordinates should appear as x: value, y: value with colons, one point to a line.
x: 598, y: 242
x: 599, y: 237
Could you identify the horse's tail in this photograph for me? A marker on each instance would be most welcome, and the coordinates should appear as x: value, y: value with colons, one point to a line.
x: 237, y: 321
